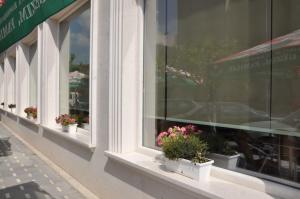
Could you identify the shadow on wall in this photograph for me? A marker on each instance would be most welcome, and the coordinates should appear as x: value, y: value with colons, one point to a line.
x: 77, y: 149
x: 146, y: 184
x: 12, y: 116
x: 33, y: 191
x: 28, y: 125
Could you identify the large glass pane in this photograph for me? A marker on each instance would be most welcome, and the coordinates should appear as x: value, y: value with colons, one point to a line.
x: 75, y: 65
x: 33, y: 74
x: 231, y: 68
x: 202, y: 73
x: 285, y: 84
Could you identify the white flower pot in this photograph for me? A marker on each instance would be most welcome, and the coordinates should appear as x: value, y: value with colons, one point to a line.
x: 224, y: 161
x: 86, y: 126
x: 189, y: 169
x: 30, y: 117
x: 72, y: 128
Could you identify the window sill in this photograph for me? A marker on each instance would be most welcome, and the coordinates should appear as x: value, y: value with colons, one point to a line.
x: 220, y: 184
x: 2, y: 111
x: 35, y: 122
x: 11, y: 112
x: 81, y: 137
x: 12, y: 115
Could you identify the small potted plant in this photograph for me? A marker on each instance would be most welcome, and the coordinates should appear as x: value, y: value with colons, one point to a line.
x: 86, y: 123
x: 31, y: 113
x: 185, y: 152
x: 11, y: 106
x: 67, y: 123
x: 222, y: 152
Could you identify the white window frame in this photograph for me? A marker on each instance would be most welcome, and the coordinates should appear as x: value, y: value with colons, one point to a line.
x: 50, y: 72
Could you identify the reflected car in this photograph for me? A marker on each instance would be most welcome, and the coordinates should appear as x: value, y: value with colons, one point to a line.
x: 220, y: 112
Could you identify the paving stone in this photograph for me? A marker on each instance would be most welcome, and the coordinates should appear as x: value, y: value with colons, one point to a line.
x: 23, y: 175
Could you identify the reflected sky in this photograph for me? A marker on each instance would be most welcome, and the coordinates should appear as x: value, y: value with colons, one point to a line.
x: 80, y: 36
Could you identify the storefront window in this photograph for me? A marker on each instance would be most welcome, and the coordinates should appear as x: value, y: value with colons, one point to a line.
x: 33, y: 74
x: 232, y: 69
x: 75, y: 65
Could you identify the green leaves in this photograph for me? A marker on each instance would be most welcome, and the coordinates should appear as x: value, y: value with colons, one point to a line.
x: 190, y: 148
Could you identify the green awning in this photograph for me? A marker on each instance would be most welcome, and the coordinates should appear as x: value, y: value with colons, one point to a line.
x: 19, y: 17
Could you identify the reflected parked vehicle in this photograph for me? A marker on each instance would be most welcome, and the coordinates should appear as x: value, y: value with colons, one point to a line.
x: 290, y: 123
x: 220, y: 112
x: 237, y: 113
x: 293, y: 119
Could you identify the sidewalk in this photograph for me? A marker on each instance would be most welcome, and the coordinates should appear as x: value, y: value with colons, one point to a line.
x: 23, y: 175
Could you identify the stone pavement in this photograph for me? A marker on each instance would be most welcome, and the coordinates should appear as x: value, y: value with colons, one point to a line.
x: 23, y: 175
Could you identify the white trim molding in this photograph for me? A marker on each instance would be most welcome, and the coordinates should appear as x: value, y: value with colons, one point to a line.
x: 125, y: 75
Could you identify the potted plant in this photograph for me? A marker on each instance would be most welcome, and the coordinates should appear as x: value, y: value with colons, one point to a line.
x: 222, y: 152
x: 31, y: 113
x: 185, y: 152
x: 67, y: 123
x: 86, y: 123
x: 11, y: 106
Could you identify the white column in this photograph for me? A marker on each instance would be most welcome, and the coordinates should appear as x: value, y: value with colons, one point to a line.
x: 125, y: 98
x: 39, y: 68
x: 50, y: 73
x: 22, y: 79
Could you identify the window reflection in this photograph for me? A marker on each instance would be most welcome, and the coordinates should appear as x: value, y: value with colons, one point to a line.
x: 75, y: 66
x: 232, y: 68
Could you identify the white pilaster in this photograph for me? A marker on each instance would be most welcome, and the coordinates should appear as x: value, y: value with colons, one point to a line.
x: 22, y: 78
x: 50, y: 73
x: 125, y: 75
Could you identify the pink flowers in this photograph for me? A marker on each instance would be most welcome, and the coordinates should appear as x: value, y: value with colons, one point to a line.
x: 2, y: 2
x: 160, y: 138
x: 31, y: 111
x: 192, y: 129
x: 65, y: 120
x: 175, y: 131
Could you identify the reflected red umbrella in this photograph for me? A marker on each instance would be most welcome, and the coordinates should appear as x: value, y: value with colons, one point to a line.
x: 286, y: 41
x: 2, y: 2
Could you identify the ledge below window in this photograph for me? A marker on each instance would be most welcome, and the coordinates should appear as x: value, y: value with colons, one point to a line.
x: 35, y: 122
x: 82, y: 137
x: 213, y: 188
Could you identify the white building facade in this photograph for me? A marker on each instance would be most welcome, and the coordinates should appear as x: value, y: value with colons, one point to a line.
x: 129, y: 69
